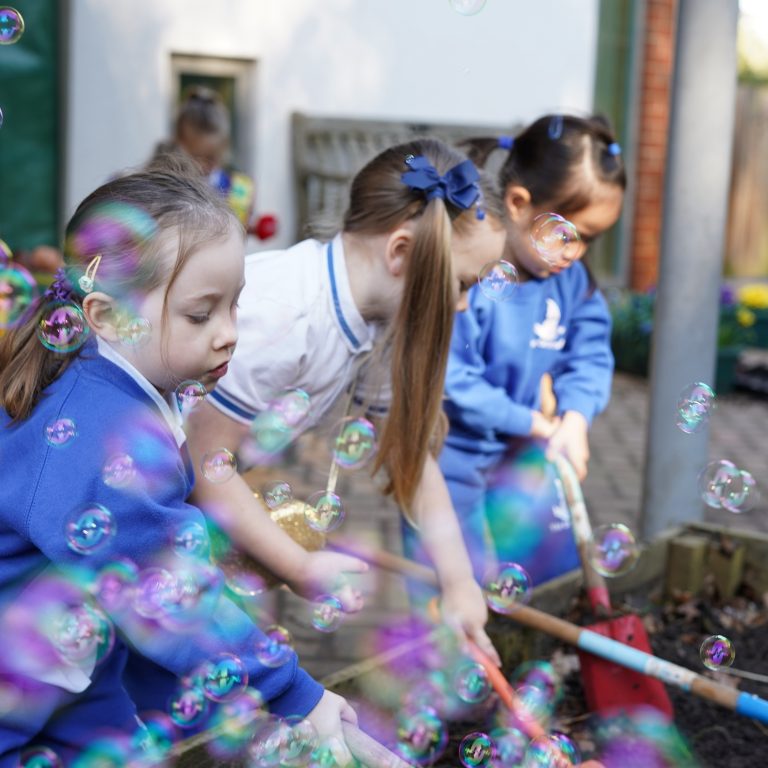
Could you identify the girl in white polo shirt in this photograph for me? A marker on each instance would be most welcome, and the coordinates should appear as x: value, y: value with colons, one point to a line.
x: 414, y: 238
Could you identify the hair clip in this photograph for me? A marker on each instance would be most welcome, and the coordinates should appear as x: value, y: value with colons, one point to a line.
x: 506, y: 142
x: 614, y: 148
x: 87, y: 280
x: 555, y: 129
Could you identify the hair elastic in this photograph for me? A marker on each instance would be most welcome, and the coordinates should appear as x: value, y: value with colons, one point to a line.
x: 506, y: 142
x: 60, y: 289
x: 614, y: 148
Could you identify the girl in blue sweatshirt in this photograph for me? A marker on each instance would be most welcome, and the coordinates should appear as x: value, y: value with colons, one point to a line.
x: 99, y: 550
x: 555, y: 323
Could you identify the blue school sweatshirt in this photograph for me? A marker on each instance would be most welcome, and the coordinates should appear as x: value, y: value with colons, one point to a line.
x: 501, y: 349
x: 41, y: 487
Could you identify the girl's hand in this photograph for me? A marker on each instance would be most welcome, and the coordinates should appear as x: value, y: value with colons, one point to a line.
x: 324, y: 573
x: 327, y: 717
x: 570, y: 439
x: 463, y: 606
x: 542, y: 427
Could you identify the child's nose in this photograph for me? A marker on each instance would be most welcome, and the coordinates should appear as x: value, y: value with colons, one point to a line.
x: 227, y: 336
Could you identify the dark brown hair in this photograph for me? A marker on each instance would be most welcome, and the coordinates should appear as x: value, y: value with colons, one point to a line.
x: 421, y: 333
x: 123, y: 221
x: 203, y: 111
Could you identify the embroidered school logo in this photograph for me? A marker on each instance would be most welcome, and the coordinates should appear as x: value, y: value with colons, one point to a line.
x: 549, y: 333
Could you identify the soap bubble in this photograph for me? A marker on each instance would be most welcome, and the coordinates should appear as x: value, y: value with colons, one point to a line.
x: 723, y: 485
x: 225, y: 678
x: 60, y: 432
x: 327, y: 613
x: 89, y: 529
x: 467, y: 7
x: 277, y: 493
x: 476, y: 749
x: 18, y: 290
x: 471, y: 683
x: 613, y: 550
x: 298, y: 738
x: 219, y: 466
x: 498, y: 280
x: 554, y: 238
x: 507, y: 586
x: 156, y: 736
x: 421, y: 736
x: 695, y: 404
x: 275, y: 649
x: 510, y: 745
x: 155, y: 590
x: 283, y: 419
x: 188, y: 707
x: 717, y: 652
x: 191, y: 540
x: 324, y: 511
x: 555, y: 749
x: 134, y: 331
x: 62, y: 327
x: 355, y: 443
x: 40, y: 757
x: 189, y: 394
x: 81, y: 633
x: 113, y: 586
x: 119, y: 471
x: 542, y: 675
x: 11, y: 25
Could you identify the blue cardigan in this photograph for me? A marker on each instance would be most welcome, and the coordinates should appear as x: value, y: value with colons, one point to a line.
x: 41, y: 487
x: 500, y: 350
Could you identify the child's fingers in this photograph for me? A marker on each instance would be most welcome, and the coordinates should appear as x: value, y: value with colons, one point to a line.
x: 484, y: 643
x: 351, y: 599
x: 351, y: 564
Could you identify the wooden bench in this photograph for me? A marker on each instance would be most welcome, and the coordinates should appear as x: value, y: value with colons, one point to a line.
x: 328, y: 151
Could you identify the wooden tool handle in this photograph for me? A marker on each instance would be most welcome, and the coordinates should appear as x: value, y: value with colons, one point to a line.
x: 597, y: 590
x: 370, y: 752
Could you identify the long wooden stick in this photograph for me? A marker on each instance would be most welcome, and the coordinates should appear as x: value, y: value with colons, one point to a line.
x: 672, y: 674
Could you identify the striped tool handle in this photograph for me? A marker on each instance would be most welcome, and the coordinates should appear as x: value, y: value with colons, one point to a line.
x: 619, y: 653
x: 597, y: 591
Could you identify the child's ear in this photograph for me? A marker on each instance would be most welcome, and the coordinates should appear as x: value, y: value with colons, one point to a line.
x: 100, y: 311
x: 398, y: 247
x: 517, y: 200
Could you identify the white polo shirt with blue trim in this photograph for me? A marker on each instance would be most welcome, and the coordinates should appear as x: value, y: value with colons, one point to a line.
x: 299, y: 328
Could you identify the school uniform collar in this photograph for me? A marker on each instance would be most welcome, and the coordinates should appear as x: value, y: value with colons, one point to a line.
x: 169, y: 413
x: 357, y: 333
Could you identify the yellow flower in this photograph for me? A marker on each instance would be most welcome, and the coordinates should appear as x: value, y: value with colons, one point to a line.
x: 745, y: 317
x: 754, y: 295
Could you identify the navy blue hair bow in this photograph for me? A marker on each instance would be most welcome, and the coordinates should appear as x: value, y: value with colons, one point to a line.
x: 458, y: 185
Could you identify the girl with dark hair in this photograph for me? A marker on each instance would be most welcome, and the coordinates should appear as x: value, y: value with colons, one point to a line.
x: 555, y: 323
x: 100, y: 551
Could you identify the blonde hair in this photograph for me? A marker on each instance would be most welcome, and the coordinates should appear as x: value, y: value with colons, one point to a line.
x: 123, y: 222
x: 421, y: 332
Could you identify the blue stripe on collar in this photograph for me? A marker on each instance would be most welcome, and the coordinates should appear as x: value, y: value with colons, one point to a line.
x: 336, y: 303
x: 229, y: 405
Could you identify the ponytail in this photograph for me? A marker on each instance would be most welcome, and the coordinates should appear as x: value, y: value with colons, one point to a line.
x: 424, y: 322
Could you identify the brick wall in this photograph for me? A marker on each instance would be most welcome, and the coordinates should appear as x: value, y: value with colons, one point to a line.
x: 658, y: 50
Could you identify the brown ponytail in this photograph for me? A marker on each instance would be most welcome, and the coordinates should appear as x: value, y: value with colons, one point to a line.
x: 421, y: 333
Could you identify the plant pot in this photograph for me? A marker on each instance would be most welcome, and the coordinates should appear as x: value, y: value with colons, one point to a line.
x: 725, y: 369
x: 760, y: 328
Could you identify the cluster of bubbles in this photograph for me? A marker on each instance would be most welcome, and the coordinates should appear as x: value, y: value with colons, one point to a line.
x: 498, y: 280
x: 277, y: 426
x: 717, y: 652
x: 722, y: 485
x: 467, y: 7
x: 324, y: 511
x: 355, y: 443
x: 613, y: 550
x: 694, y: 406
x: 219, y: 465
x: 554, y: 238
x: 506, y: 587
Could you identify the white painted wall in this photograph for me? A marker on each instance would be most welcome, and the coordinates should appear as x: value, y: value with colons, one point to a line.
x: 390, y: 59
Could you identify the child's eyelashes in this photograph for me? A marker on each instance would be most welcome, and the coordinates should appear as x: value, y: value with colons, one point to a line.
x: 198, y: 319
